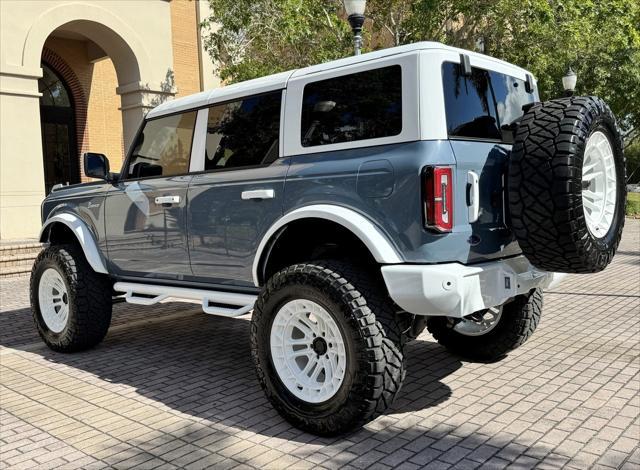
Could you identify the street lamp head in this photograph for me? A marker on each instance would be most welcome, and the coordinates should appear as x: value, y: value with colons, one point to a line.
x: 355, y: 13
x: 355, y: 7
x: 569, y: 82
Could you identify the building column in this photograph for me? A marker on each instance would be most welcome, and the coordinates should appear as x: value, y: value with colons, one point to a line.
x: 21, y: 165
x: 137, y: 99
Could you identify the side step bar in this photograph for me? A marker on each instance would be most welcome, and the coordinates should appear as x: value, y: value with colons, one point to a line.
x: 149, y: 294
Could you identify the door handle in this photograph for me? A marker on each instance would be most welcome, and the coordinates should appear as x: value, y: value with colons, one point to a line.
x: 168, y: 200
x: 258, y: 194
x: 473, y: 196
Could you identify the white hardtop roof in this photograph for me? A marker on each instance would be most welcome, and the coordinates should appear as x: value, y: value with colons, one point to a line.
x: 279, y: 81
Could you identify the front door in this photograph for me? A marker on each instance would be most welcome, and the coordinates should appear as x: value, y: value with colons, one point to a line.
x: 146, y: 210
x: 57, y: 119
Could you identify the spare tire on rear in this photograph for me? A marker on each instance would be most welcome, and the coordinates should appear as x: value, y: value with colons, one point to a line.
x: 567, y: 185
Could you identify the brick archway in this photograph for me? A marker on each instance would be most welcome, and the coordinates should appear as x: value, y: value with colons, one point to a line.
x: 58, y: 64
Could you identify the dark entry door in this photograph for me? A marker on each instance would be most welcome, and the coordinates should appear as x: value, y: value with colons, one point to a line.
x: 57, y: 119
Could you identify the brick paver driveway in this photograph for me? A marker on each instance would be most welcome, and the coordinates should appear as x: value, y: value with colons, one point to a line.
x: 171, y: 387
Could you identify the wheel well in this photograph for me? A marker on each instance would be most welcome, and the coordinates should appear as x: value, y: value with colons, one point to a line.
x: 311, y: 239
x: 58, y: 233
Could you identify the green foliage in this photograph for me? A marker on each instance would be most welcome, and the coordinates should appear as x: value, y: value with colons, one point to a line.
x: 633, y: 205
x: 632, y: 154
x: 599, y: 39
x: 252, y: 38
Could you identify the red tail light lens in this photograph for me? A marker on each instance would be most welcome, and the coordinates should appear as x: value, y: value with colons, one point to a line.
x: 438, y: 198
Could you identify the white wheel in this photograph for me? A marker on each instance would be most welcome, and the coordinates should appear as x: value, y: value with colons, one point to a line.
x: 479, y: 323
x: 326, y: 344
x: 53, y: 299
x: 489, y: 335
x: 599, y: 184
x: 308, y: 351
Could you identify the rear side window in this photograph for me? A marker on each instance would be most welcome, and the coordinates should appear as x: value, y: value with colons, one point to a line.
x: 510, y: 96
x: 364, y: 105
x: 163, y: 148
x: 244, y: 132
x: 483, y: 105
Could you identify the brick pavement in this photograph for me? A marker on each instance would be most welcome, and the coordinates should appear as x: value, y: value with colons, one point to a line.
x: 171, y: 387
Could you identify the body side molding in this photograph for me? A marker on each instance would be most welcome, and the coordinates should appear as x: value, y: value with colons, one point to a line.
x: 373, y: 238
x: 82, y: 233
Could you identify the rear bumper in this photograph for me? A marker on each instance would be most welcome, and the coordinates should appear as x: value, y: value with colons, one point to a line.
x: 456, y: 290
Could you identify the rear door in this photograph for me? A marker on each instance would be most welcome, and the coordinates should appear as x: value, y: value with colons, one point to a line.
x: 480, y: 111
x: 146, y: 210
x: 238, y: 194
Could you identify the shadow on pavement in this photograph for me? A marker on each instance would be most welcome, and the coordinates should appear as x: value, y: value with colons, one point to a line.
x: 201, y: 365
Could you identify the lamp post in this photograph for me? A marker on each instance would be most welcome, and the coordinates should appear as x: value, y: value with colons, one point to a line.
x: 569, y: 82
x: 355, y: 15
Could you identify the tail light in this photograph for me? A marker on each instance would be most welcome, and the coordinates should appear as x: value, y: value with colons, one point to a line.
x: 438, y: 198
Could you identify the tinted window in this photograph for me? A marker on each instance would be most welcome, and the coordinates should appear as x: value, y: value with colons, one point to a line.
x: 163, y: 147
x: 469, y: 103
x: 482, y: 105
x: 365, y: 105
x: 510, y: 96
x: 244, y: 132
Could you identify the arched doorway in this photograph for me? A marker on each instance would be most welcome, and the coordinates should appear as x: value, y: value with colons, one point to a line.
x: 141, y: 55
x: 57, y: 119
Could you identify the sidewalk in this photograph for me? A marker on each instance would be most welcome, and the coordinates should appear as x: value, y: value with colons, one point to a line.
x: 171, y: 387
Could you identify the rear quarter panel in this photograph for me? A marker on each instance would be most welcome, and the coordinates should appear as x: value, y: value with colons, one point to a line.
x: 352, y: 178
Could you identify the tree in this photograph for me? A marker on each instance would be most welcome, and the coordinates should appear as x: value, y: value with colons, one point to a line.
x: 632, y: 154
x: 599, y: 39
x: 252, y: 38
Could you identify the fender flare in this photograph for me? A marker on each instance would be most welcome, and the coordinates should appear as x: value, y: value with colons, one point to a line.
x: 374, y: 239
x: 84, y: 236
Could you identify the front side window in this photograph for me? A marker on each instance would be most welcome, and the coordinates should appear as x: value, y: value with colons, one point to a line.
x: 244, y: 132
x: 364, y: 105
x: 163, y: 147
x: 483, y: 105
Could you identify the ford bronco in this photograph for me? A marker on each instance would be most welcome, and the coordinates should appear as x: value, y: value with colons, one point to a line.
x: 346, y: 206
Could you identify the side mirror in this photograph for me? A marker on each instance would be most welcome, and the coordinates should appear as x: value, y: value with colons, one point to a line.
x: 96, y: 165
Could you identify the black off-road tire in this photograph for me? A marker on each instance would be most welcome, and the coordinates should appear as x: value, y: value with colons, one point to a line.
x: 545, y: 185
x: 518, y: 321
x: 373, y: 340
x: 89, y: 298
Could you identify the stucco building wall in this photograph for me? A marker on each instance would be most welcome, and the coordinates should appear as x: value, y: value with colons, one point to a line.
x: 130, y: 66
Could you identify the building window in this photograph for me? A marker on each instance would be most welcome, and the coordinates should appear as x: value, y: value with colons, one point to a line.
x: 364, y: 105
x: 54, y: 93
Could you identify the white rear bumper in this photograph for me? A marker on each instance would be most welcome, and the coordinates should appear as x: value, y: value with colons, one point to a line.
x: 457, y: 290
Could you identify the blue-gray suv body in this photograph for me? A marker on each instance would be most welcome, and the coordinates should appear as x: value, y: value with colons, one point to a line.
x: 347, y: 205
